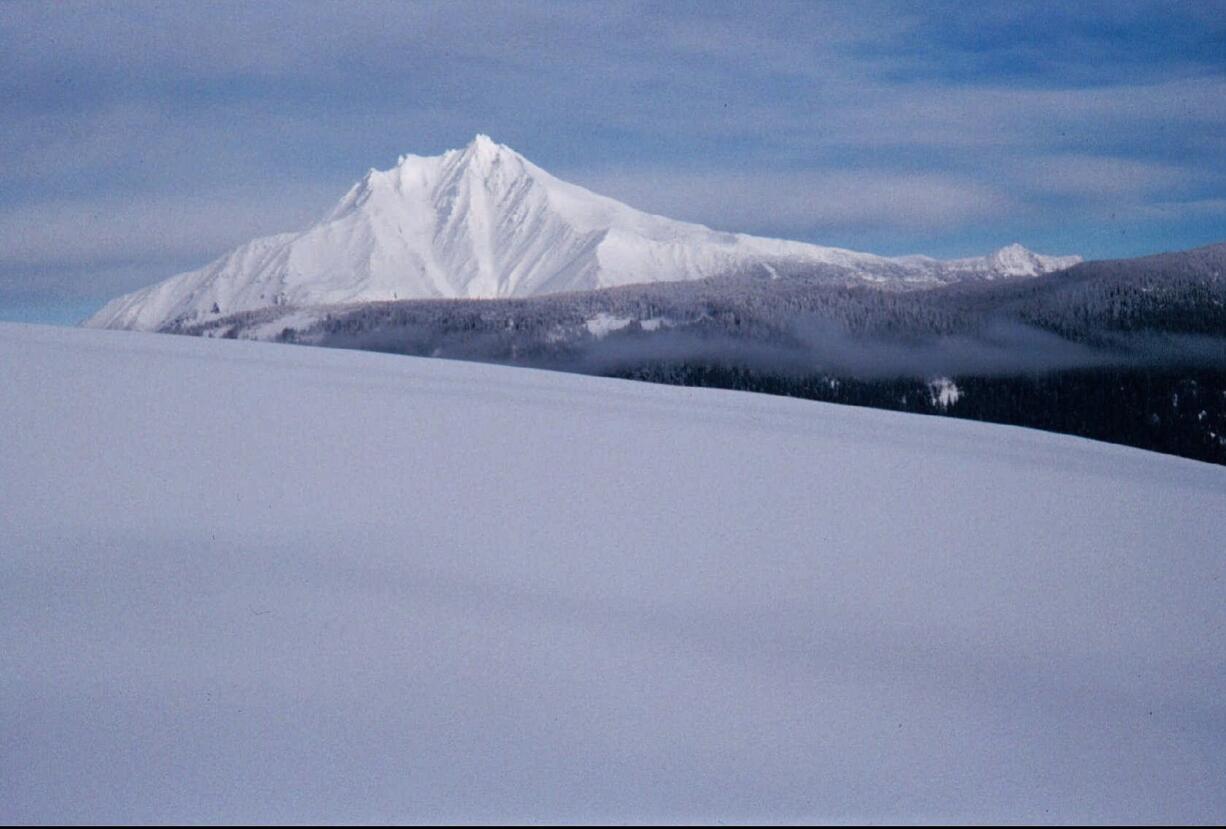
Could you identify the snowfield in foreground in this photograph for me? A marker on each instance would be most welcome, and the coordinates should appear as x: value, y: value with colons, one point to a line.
x: 274, y: 583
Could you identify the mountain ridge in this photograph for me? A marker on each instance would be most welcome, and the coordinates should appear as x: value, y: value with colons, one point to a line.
x: 484, y: 222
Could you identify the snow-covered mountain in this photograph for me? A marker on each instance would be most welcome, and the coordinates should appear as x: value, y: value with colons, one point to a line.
x: 484, y: 222
x: 1010, y: 261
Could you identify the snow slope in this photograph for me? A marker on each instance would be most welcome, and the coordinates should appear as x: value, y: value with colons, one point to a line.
x: 483, y: 221
x: 273, y: 583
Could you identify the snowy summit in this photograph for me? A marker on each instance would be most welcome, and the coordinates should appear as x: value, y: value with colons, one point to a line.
x: 484, y: 222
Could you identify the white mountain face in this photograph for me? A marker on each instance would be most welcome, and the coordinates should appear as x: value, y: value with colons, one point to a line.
x: 1013, y: 260
x: 484, y: 222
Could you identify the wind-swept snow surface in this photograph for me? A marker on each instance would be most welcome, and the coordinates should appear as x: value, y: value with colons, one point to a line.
x: 483, y: 221
x: 262, y: 583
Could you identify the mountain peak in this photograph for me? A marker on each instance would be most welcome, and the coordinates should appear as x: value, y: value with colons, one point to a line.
x: 1018, y: 260
x: 481, y: 149
x: 482, y: 144
x: 482, y: 221
x: 484, y: 152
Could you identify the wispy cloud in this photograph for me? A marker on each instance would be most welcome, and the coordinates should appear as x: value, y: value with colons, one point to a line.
x: 1096, y: 177
x: 160, y: 228
x: 905, y: 126
x: 805, y: 202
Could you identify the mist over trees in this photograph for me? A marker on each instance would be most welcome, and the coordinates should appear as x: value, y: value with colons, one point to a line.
x: 1132, y: 351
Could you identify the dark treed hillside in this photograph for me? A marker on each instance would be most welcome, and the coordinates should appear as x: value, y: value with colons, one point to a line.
x: 1130, y: 351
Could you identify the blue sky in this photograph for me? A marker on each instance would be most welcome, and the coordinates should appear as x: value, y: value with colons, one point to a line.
x: 140, y: 141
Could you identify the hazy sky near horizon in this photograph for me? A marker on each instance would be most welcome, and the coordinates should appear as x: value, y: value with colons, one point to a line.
x: 142, y: 140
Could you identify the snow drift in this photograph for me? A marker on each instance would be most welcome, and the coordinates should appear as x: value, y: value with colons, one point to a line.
x: 484, y: 222
x: 261, y: 583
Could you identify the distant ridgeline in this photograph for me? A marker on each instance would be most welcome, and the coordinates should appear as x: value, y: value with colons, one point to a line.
x: 1129, y: 351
